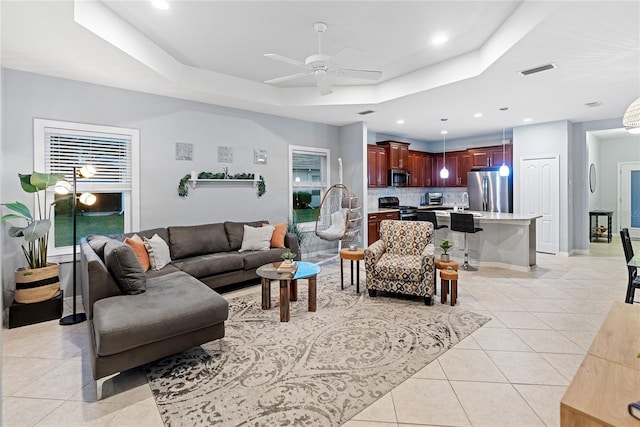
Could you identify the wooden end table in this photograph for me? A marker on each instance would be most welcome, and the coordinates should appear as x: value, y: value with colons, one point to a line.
x: 357, y: 256
x: 288, y: 285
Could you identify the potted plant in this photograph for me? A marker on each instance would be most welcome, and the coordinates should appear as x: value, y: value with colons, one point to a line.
x: 292, y: 227
x: 288, y: 257
x: 38, y: 280
x: 445, y: 246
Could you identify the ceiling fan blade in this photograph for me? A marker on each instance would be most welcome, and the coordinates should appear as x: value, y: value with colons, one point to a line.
x: 285, y: 78
x: 322, y: 79
x: 358, y: 74
x: 286, y: 60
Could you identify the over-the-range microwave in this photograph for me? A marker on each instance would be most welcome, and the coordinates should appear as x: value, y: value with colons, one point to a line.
x: 398, y: 177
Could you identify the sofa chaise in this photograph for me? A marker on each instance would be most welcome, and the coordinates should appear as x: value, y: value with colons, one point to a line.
x: 178, y: 308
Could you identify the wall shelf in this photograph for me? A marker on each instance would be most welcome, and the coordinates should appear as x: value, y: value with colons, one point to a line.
x: 195, y: 182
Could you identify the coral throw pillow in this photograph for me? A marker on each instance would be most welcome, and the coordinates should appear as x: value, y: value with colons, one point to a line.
x: 277, y: 239
x: 137, y: 244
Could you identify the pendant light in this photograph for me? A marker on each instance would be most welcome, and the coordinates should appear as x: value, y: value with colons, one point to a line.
x: 444, y: 172
x: 504, y: 169
x: 631, y: 119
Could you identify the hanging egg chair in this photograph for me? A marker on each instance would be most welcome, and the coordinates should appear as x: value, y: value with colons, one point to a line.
x: 339, y: 216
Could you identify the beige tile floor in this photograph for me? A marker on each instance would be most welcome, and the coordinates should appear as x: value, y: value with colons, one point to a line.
x: 511, y: 372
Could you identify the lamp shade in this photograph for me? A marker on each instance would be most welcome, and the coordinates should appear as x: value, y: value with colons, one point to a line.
x: 631, y: 119
x: 87, y: 171
x: 87, y: 199
x: 62, y: 187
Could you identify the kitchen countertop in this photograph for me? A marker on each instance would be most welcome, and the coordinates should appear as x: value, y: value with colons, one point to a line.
x: 382, y: 211
x: 493, y: 216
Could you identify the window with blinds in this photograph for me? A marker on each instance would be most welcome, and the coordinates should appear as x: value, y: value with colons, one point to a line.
x: 309, y: 169
x: 110, y: 155
x: 114, y: 153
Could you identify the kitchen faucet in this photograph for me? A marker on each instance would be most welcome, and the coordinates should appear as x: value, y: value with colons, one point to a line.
x: 465, y: 194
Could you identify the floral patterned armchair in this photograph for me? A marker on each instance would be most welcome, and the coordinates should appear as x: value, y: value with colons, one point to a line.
x: 402, y: 260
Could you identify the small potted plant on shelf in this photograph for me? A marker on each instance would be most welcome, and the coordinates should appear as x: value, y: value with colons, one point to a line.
x: 445, y: 246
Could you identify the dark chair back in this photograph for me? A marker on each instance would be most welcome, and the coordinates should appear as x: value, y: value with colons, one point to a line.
x: 632, y: 271
x: 626, y: 244
x: 462, y: 222
x: 430, y: 217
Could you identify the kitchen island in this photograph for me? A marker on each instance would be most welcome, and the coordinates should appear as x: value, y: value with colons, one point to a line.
x: 508, y: 240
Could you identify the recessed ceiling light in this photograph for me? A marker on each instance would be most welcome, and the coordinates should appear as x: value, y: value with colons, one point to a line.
x: 400, y: 122
x: 527, y: 119
x: 439, y: 39
x: 476, y: 115
x: 160, y: 4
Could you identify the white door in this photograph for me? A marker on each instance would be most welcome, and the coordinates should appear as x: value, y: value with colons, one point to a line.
x: 540, y: 195
x: 629, y: 197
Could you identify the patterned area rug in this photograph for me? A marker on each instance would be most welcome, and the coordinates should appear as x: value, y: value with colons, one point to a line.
x: 319, y: 369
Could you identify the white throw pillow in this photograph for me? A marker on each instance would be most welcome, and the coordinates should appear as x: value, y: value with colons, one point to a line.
x: 257, y: 238
x: 159, y: 255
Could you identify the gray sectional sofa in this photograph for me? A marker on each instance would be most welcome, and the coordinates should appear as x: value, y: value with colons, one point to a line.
x: 179, y: 308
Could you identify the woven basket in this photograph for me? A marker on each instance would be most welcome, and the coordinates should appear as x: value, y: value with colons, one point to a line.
x: 38, y: 284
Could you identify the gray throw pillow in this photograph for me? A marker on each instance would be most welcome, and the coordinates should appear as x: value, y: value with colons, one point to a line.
x: 125, y: 268
x: 97, y: 243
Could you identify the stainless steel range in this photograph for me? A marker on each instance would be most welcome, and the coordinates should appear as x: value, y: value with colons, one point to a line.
x: 407, y: 213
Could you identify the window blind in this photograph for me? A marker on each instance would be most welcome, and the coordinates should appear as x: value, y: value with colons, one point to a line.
x: 110, y: 154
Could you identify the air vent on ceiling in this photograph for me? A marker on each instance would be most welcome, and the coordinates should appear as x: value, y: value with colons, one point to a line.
x: 594, y: 104
x: 364, y: 113
x: 549, y: 66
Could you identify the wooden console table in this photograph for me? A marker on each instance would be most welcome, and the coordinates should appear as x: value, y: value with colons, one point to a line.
x: 609, y: 376
x: 594, y: 234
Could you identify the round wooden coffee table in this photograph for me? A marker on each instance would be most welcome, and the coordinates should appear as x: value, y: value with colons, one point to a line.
x: 288, y: 285
x: 357, y: 256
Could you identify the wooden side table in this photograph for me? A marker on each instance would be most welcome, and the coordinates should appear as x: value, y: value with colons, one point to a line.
x: 444, y: 265
x: 448, y: 277
x: 357, y: 256
x: 593, y: 231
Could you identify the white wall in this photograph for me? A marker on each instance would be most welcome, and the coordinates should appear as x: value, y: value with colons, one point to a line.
x: 162, y: 122
x: 546, y: 139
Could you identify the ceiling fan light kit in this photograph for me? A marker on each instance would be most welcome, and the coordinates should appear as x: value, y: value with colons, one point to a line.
x: 320, y: 66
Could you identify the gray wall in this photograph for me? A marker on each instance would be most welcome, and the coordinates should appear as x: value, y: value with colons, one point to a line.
x: 580, y: 162
x: 613, y: 152
x: 546, y: 139
x: 162, y: 122
x: 353, y: 148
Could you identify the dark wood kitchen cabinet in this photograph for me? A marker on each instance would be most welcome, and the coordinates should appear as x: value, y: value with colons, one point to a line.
x: 376, y: 166
x: 490, y: 157
x: 451, y: 161
x: 373, y: 224
x: 397, y: 154
x: 419, y: 169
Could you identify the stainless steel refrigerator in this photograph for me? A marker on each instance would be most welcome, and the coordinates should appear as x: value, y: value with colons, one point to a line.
x: 490, y: 192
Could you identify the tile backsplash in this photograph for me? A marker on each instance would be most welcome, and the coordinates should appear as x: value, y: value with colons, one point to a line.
x: 412, y: 196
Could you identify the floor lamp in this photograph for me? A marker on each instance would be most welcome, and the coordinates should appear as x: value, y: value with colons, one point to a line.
x: 88, y: 199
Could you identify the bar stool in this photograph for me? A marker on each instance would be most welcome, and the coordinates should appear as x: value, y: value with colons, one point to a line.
x: 464, y: 223
x: 430, y: 216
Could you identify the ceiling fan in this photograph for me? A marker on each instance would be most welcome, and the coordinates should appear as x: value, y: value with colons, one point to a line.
x: 320, y: 66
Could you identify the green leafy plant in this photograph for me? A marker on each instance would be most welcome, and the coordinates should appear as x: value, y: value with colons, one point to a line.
x: 183, y: 188
x: 292, y: 227
x: 288, y: 255
x: 36, y: 230
x: 445, y: 246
